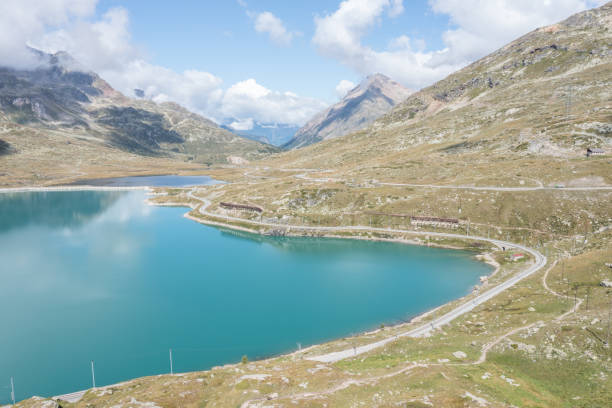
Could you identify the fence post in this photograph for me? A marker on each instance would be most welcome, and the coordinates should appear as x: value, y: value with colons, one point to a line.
x: 93, y: 375
x: 13, y: 391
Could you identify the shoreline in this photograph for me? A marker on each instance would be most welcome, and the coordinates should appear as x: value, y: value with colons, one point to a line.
x: 325, y: 233
x: 293, y: 231
x: 484, y: 257
x: 423, y: 331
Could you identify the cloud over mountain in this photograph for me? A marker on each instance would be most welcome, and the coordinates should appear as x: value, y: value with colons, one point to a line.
x: 250, y: 99
x: 22, y: 21
x: 105, y: 46
x: 479, y: 27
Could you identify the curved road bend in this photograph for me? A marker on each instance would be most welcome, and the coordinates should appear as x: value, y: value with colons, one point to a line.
x: 425, y: 329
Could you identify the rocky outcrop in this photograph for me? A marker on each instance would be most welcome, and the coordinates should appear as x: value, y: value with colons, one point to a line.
x: 60, y: 94
x: 137, y: 130
x: 5, y: 147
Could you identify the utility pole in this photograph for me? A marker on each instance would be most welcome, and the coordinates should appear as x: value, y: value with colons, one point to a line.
x: 609, y: 316
x: 93, y: 375
x: 171, y: 368
x: 588, y: 292
x: 563, y: 270
x: 13, y: 391
x: 568, y: 101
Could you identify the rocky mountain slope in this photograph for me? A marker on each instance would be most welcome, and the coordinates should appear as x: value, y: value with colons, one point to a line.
x: 495, y: 143
x: 545, y: 96
x: 375, y: 96
x: 60, y: 95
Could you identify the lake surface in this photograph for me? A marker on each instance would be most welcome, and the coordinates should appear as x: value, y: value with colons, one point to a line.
x: 151, y: 181
x: 92, y: 275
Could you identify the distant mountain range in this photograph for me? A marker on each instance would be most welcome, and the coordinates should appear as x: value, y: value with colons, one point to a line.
x: 62, y: 96
x: 276, y: 134
x: 369, y: 100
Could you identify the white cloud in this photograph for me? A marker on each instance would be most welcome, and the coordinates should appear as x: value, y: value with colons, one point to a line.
x: 105, y: 46
x: 23, y: 20
x: 343, y: 87
x: 397, y: 8
x: 338, y: 35
x: 481, y: 27
x: 197, y: 90
x: 202, y: 92
x: 485, y: 25
x: 248, y: 99
x: 267, y: 22
x: 246, y: 124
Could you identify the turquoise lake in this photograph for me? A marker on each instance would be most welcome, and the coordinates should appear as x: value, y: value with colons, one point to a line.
x: 103, y: 276
x: 157, y: 181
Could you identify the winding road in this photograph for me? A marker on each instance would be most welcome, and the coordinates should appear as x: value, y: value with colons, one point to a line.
x: 424, y: 329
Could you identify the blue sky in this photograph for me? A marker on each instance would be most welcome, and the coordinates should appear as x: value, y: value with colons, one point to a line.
x: 218, y: 37
x: 268, y: 61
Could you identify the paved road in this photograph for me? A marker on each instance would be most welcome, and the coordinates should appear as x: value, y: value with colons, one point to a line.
x: 425, y: 329
x: 72, y: 397
x: 493, y: 188
x: 304, y: 176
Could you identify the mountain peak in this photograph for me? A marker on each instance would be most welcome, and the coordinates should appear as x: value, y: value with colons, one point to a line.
x: 374, y: 79
x: 363, y: 104
x: 59, y: 59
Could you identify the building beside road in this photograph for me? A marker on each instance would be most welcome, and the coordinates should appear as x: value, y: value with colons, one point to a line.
x: 594, y: 151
